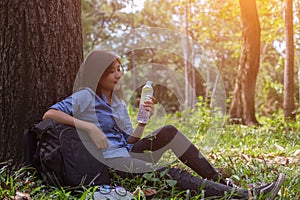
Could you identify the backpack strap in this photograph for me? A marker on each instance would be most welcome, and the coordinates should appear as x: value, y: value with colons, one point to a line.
x: 27, y: 145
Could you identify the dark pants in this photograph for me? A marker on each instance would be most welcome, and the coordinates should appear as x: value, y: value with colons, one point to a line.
x: 168, y: 137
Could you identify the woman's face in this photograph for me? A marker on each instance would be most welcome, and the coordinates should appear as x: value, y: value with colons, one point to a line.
x: 110, y: 79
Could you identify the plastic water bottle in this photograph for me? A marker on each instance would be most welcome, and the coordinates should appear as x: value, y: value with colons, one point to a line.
x: 147, y: 93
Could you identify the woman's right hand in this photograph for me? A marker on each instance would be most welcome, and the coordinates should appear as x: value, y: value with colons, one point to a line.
x: 97, y: 136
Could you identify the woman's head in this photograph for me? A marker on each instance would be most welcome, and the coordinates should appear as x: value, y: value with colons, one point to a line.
x: 110, y: 79
x: 95, y: 66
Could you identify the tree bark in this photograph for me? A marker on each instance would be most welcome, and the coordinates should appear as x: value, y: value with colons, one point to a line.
x: 243, y: 103
x: 288, y: 102
x: 41, y: 51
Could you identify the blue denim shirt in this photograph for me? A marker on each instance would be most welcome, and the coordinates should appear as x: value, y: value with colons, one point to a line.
x: 113, y: 119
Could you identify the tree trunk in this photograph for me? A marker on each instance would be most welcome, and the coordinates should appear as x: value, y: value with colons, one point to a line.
x: 288, y: 102
x: 187, y: 57
x: 243, y: 103
x: 297, y: 10
x: 41, y: 51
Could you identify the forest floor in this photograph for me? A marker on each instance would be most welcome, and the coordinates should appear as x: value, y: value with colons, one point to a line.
x: 244, y: 154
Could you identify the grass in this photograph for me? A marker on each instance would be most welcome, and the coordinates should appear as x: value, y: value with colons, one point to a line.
x: 245, y: 154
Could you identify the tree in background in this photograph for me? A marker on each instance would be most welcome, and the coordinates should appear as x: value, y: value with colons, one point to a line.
x: 217, y: 28
x: 41, y: 51
x: 289, y: 104
x: 101, y: 20
x: 297, y: 42
x: 242, y: 107
x: 214, y: 26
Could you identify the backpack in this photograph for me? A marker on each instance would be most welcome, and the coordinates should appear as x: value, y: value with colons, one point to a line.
x: 56, y: 151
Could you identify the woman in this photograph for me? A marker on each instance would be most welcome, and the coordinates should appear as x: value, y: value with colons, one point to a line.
x: 96, y: 109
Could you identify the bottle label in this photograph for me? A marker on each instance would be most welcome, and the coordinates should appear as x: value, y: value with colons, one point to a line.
x: 143, y: 115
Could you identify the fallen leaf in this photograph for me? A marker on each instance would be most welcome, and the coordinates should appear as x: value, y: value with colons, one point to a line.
x: 21, y: 196
x: 280, y: 148
x: 297, y: 152
x: 246, y: 157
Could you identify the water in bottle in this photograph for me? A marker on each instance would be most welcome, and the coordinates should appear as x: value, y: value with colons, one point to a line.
x: 147, y: 93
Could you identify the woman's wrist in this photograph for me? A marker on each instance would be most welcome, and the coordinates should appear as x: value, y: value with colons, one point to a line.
x: 141, y: 125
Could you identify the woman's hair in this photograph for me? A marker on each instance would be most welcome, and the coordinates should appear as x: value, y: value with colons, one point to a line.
x: 93, y: 68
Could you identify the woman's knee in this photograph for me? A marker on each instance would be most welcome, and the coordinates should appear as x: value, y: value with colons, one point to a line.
x: 168, y: 132
x: 170, y: 129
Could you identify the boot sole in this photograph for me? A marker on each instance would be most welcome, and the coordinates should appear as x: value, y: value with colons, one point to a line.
x: 279, y: 181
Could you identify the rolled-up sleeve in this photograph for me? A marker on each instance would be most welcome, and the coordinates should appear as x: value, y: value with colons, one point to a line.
x: 64, y: 106
x: 78, y: 102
